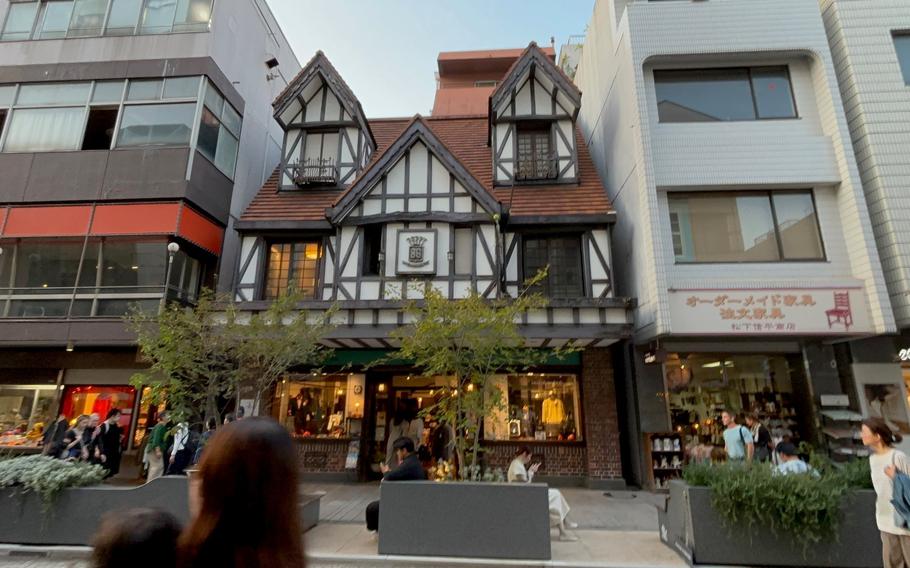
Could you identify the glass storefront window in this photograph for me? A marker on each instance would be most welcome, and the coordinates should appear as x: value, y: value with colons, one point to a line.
x: 539, y: 407
x: 316, y: 406
x: 21, y: 409
x: 700, y: 386
x: 89, y: 399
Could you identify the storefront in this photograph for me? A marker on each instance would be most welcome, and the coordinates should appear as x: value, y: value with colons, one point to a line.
x: 343, y: 421
x: 28, y: 402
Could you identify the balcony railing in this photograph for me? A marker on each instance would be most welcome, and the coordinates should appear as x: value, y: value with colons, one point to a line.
x: 315, y: 171
x: 85, y: 301
x: 537, y: 168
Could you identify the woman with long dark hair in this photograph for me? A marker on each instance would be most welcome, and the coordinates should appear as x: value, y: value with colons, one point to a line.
x: 248, y: 512
x: 884, y: 462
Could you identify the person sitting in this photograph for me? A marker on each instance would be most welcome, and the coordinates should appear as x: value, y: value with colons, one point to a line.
x: 790, y: 461
x: 559, y: 508
x: 409, y: 469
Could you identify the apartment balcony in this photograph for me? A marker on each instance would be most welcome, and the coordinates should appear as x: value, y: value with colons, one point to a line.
x: 314, y: 172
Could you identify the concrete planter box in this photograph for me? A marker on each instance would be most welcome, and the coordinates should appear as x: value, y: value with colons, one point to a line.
x: 690, y: 526
x: 76, y: 513
x: 471, y: 520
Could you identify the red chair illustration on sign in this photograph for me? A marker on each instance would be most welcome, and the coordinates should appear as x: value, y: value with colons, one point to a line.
x: 841, y: 311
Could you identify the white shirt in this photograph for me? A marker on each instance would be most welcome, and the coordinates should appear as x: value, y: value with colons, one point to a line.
x: 181, y: 436
x: 518, y: 472
x: 884, y: 511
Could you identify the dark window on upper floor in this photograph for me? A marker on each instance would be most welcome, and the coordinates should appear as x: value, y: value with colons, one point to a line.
x: 50, y: 19
x: 292, y: 267
x: 562, y: 255
x: 100, y: 277
x: 729, y: 94
x: 99, y: 129
x: 902, y: 47
x: 536, y: 155
x: 372, y: 248
x: 745, y: 226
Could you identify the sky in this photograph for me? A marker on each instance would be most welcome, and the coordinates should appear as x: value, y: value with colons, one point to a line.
x: 386, y: 49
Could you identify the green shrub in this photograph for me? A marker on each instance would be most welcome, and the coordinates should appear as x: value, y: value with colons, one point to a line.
x: 804, y: 508
x: 46, y: 476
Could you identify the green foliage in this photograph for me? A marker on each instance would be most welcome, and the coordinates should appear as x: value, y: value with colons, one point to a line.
x: 209, y: 352
x: 805, y: 508
x: 46, y: 476
x: 468, y: 341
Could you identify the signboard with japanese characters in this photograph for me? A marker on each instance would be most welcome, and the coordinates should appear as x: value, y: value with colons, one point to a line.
x: 819, y: 311
x: 416, y: 252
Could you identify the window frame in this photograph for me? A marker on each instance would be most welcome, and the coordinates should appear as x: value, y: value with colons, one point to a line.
x: 266, y: 265
x: 544, y: 371
x: 222, y: 124
x: 748, y: 70
x: 545, y: 284
x: 136, y: 31
x: 780, y: 246
x: 532, y: 128
x: 905, y: 35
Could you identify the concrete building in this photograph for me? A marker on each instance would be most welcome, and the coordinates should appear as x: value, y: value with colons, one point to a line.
x: 362, y: 214
x: 126, y: 126
x: 870, y: 46
x: 718, y: 128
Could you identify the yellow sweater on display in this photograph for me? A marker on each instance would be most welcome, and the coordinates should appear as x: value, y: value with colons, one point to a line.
x: 553, y: 411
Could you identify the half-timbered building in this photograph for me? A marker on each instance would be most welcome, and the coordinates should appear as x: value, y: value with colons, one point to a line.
x: 480, y: 199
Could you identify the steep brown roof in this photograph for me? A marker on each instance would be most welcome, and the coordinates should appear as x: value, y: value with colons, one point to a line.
x: 466, y: 139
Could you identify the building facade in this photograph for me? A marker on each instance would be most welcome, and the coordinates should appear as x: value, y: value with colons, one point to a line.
x: 132, y: 134
x: 742, y: 228
x: 871, y: 50
x: 363, y: 214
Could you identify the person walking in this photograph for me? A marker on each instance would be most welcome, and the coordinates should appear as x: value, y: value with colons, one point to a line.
x: 72, y: 448
x: 53, y: 435
x: 761, y: 436
x: 157, y: 446
x: 181, y: 451
x: 210, y: 426
x: 108, y: 449
x: 88, y: 439
x: 738, y: 441
x: 248, y: 501
x: 884, y: 462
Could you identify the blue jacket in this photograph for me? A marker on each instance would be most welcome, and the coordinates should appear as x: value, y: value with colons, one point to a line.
x: 900, y: 499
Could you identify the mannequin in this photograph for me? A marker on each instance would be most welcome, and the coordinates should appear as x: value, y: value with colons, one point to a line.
x: 554, y: 413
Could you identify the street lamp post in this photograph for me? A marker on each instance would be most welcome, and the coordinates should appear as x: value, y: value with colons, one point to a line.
x: 172, y: 249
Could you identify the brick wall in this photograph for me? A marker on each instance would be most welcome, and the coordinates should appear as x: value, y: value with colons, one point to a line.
x: 601, y: 421
x: 556, y: 460
x: 322, y: 456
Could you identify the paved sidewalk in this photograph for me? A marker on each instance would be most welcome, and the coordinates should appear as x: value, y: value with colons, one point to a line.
x: 620, y: 511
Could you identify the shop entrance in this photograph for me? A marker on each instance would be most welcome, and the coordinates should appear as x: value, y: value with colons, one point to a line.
x: 395, y: 402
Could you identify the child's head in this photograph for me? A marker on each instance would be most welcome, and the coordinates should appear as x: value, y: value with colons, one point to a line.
x: 139, y: 538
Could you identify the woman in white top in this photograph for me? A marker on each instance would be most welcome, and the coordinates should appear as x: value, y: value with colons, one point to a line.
x: 559, y: 508
x: 884, y: 462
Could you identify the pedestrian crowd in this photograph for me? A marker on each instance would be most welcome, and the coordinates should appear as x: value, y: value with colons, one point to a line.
x: 87, y: 440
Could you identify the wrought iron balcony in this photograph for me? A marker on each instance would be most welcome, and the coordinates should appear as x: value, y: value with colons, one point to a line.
x: 315, y: 171
x: 536, y: 168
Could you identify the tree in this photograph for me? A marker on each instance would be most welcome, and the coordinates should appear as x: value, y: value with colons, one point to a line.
x: 468, y: 341
x: 208, y: 353
x: 189, y: 363
x: 270, y: 343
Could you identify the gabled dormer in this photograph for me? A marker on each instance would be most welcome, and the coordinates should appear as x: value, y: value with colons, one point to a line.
x: 532, y: 123
x: 327, y: 140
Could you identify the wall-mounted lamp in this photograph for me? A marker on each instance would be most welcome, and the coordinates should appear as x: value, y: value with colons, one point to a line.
x: 381, y: 257
x: 451, y: 255
x: 381, y: 387
x: 70, y: 347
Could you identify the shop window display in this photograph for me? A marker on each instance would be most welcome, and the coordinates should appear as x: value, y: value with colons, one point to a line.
x: 539, y: 407
x: 24, y: 412
x: 79, y: 400
x: 701, y: 386
x: 318, y: 407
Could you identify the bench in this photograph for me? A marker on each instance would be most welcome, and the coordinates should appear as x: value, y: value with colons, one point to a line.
x: 470, y: 520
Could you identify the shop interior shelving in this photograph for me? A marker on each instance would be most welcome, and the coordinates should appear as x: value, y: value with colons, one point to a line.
x: 665, y: 458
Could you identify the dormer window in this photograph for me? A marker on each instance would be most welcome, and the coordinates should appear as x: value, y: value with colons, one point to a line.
x: 317, y: 163
x: 536, y: 159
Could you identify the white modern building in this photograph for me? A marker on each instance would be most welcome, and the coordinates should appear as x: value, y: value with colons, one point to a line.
x: 870, y: 44
x: 742, y: 229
